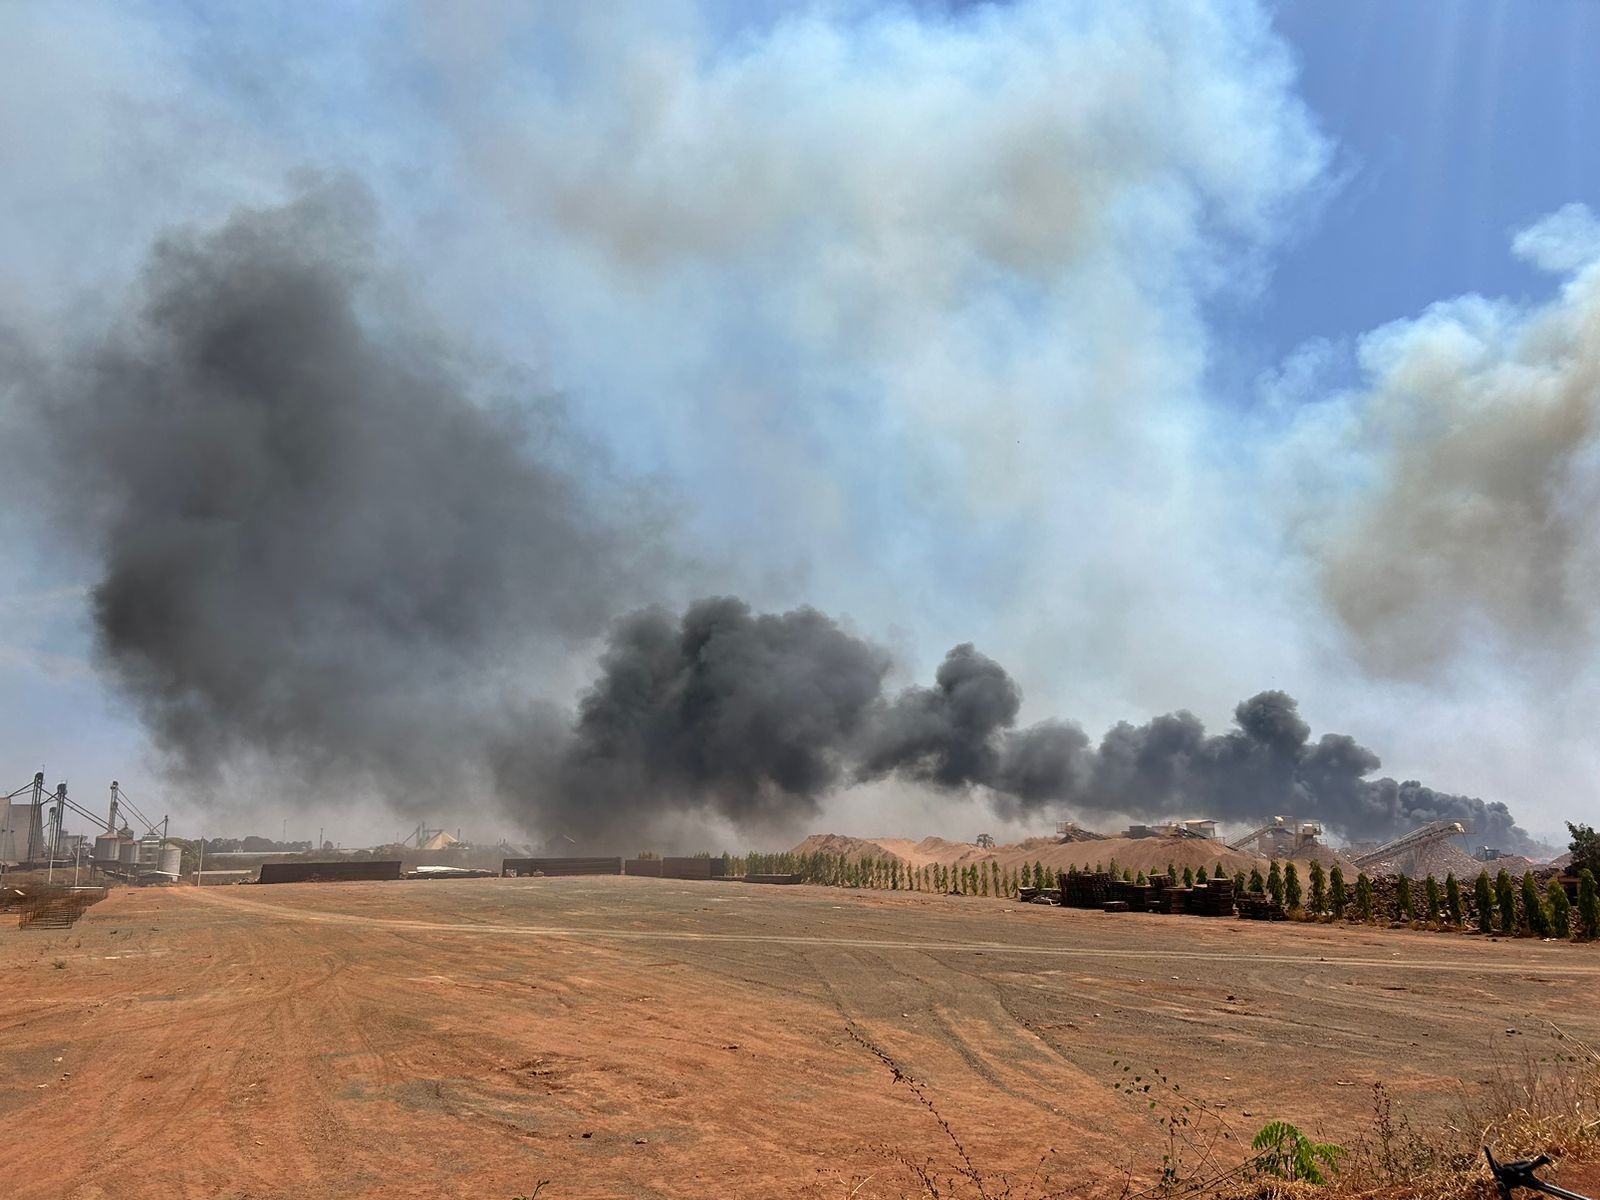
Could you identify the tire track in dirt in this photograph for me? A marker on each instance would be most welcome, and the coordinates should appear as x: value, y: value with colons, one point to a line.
x: 581, y: 933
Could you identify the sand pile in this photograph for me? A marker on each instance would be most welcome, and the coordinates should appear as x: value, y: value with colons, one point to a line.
x: 853, y: 848
x: 1136, y: 854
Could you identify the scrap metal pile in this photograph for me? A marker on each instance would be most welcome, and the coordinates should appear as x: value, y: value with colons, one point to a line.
x: 42, y: 906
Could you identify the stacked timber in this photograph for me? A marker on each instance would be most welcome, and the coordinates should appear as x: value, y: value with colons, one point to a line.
x: 1085, y: 889
x: 1175, y: 899
x: 1212, y: 899
x: 643, y: 866
x: 1136, y: 896
x: 1258, y: 906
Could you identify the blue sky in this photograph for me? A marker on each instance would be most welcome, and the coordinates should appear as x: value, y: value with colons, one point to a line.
x: 1456, y: 124
x: 1130, y: 410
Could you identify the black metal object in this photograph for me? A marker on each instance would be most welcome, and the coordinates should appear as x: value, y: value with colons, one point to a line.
x: 692, y: 868
x: 1519, y: 1173
x: 328, y: 872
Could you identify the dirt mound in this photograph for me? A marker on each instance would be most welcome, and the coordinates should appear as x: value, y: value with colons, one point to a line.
x: 853, y: 848
x: 928, y: 852
x: 1136, y: 854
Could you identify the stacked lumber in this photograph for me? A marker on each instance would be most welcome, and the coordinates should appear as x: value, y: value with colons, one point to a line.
x: 1174, y: 899
x: 1211, y: 899
x: 1086, y: 889
x: 1258, y: 906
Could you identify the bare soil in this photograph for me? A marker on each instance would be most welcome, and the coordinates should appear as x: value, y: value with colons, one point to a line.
x: 647, y: 1038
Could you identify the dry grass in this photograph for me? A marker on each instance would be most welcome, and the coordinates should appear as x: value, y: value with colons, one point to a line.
x: 1543, y: 1100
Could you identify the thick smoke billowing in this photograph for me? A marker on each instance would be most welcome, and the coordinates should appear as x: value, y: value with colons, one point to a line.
x: 318, y: 547
x: 720, y: 711
x: 960, y: 734
x: 314, y: 542
x: 756, y: 718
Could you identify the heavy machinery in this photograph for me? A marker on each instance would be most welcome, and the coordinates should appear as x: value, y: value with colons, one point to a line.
x: 1281, y: 837
x: 1426, y: 835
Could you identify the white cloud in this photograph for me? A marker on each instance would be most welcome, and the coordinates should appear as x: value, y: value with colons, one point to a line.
x: 915, y: 305
x: 1564, y: 241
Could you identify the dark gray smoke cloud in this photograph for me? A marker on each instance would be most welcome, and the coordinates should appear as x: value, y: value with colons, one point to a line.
x: 946, y: 734
x: 960, y: 734
x: 721, y: 711
x: 318, y: 545
x: 314, y: 540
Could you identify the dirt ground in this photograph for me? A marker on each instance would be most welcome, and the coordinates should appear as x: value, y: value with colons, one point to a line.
x: 644, y: 1038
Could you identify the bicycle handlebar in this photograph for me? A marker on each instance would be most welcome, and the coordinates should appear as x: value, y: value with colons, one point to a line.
x: 1520, y: 1173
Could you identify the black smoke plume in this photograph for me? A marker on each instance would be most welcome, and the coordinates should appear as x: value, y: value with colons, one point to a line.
x: 720, y: 711
x: 960, y: 734
x: 319, y: 546
x: 314, y: 541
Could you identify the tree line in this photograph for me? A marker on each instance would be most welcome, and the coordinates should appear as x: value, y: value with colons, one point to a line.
x: 1500, y: 905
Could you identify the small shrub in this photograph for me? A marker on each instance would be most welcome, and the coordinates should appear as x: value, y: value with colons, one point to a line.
x: 1257, y: 884
x: 1318, y: 897
x: 1188, y: 877
x: 1200, y: 875
x: 1291, y: 887
x: 1283, y: 1152
x: 1402, y: 898
x: 1434, y: 898
x: 1336, y: 896
x: 1275, y: 882
x: 1453, y: 907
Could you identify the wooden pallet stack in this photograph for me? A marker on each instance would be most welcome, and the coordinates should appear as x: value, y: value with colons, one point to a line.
x: 1212, y: 899
x: 1086, y: 889
x: 1174, y: 899
x: 1258, y: 906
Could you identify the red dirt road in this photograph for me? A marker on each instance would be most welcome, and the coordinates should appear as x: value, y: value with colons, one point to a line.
x: 647, y: 1038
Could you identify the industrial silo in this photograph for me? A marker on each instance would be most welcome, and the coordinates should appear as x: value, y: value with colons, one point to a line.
x: 106, y: 848
x: 172, y: 860
x: 128, y: 854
